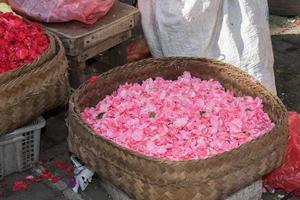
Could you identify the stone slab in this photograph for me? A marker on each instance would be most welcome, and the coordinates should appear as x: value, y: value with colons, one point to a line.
x: 252, y: 192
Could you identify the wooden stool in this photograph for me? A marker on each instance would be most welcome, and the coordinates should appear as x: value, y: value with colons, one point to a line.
x: 83, y: 42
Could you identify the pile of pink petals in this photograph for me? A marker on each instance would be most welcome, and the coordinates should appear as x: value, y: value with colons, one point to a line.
x: 184, y: 119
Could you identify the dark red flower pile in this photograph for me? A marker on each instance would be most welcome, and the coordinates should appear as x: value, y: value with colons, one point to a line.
x: 20, y: 42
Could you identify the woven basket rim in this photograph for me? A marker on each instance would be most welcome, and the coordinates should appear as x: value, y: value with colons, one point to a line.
x: 77, y: 113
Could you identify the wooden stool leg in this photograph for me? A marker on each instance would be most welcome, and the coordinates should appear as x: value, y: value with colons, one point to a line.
x: 76, y: 72
x: 118, y: 55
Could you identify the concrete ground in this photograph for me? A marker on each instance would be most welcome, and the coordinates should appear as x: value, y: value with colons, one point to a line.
x: 54, y: 146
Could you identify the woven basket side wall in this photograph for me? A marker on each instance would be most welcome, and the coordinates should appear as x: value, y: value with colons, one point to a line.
x: 182, y: 173
x: 141, y: 189
x: 29, y: 95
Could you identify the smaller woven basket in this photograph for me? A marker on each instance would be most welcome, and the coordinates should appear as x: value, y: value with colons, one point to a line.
x: 44, y: 57
x: 27, y: 92
x: 147, y: 178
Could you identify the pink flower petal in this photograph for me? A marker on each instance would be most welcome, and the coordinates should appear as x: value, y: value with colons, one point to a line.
x: 183, y: 119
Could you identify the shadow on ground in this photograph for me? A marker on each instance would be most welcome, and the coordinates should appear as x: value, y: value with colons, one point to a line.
x: 287, y: 69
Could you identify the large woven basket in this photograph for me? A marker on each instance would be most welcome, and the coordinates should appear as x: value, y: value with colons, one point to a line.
x: 143, y: 177
x: 40, y: 86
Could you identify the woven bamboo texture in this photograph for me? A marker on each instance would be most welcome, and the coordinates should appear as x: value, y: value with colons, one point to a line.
x: 41, y: 86
x: 146, y: 178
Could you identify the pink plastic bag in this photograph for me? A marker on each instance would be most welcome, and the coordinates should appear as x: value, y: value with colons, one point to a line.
x: 287, y: 176
x: 86, y: 11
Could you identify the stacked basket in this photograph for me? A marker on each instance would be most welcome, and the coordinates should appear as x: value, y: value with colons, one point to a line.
x: 28, y: 91
x: 144, y: 177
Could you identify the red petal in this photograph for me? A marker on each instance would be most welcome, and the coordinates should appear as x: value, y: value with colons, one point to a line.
x: 70, y: 170
x: 297, y: 22
x: 20, y: 42
x: 38, y: 179
x: 47, y: 174
x: 19, y: 185
x: 55, y: 179
x: 92, y: 79
x: 41, y: 162
x: 61, y: 165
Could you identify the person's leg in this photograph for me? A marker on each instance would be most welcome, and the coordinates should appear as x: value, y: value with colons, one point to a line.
x: 245, y: 39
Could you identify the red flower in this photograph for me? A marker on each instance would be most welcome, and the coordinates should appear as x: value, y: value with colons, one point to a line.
x: 61, y: 165
x: 34, y: 179
x: 19, y: 185
x: 41, y: 162
x: 47, y: 174
x: 70, y: 170
x: 20, y: 42
x: 37, y: 179
x: 297, y: 22
x: 55, y: 179
x: 92, y: 79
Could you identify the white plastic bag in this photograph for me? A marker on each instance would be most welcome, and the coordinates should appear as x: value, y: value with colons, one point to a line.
x: 235, y: 31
